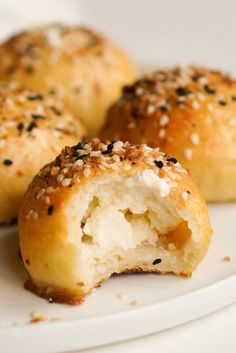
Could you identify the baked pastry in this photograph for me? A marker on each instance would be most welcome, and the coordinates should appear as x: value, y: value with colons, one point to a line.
x: 189, y: 113
x: 74, y: 63
x: 111, y: 208
x: 33, y: 130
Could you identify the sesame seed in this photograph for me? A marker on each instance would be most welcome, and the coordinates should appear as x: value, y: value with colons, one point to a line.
x: 203, y: 80
x: 78, y: 163
x: 60, y: 177
x: 46, y: 199
x: 86, y: 172
x: 151, y: 109
x: 50, y: 189
x: 184, y: 195
x: 164, y: 120
x: 195, y: 105
x: 139, y: 91
x: 209, y: 107
x: 2, y: 143
x: 35, y: 215
x: 40, y: 193
x: 117, y: 146
x: 131, y: 125
x: 188, y: 153
x: 194, y: 138
x: 232, y: 121
x: 162, y: 133
x: 66, y: 182
x: 201, y: 97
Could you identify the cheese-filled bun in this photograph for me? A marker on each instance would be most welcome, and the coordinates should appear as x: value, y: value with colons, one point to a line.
x: 189, y: 113
x: 111, y: 208
x: 33, y: 130
x: 78, y: 65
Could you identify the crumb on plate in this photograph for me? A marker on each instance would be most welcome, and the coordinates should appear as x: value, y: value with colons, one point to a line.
x: 133, y: 302
x: 226, y: 258
x: 37, y: 317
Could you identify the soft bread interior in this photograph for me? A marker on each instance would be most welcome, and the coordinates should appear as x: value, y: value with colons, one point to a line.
x: 128, y: 223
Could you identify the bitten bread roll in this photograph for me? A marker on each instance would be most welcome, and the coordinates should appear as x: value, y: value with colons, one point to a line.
x: 74, y: 63
x: 33, y: 130
x: 111, y: 208
x: 189, y: 113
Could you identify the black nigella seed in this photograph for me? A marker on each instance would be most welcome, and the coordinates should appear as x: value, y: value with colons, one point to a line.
x: 29, y: 69
x: 79, y: 146
x: 188, y: 192
x: 172, y: 159
x: 209, y: 89
x: 82, y: 156
x: 195, y: 78
x: 14, y: 221
x: 148, y: 81
x: 38, y: 116
x: 50, y: 210
x: 128, y: 90
x: 35, y: 97
x: 156, y: 262
x: 233, y: 98
x: 31, y: 126
x: 163, y: 108
x: 109, y: 148
x: 135, y: 113
x: 181, y: 91
x: 222, y: 102
x: 20, y: 126
x: 56, y: 111
x: 7, y: 162
x: 159, y: 164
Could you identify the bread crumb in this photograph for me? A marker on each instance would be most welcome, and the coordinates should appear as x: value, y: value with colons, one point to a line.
x: 226, y: 258
x: 37, y: 317
x: 120, y: 295
x: 134, y: 302
x: 56, y: 319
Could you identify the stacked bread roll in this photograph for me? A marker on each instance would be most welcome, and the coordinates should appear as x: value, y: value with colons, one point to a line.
x: 93, y: 207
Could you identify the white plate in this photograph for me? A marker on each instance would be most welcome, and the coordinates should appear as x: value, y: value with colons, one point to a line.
x: 164, y: 301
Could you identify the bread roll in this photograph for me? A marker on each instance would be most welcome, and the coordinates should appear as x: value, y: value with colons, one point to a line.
x: 33, y: 130
x: 74, y: 63
x: 189, y: 113
x: 111, y: 208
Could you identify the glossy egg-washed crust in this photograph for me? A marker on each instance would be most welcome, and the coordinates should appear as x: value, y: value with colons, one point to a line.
x: 44, y: 220
x: 189, y: 113
x: 74, y: 63
x: 33, y: 130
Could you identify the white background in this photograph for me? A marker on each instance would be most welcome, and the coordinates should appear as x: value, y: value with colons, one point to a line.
x: 156, y: 33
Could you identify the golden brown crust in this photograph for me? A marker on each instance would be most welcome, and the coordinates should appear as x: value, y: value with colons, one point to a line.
x: 63, y: 297
x: 54, y: 296
x: 74, y: 63
x: 48, y: 243
x: 189, y: 113
x: 33, y: 129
